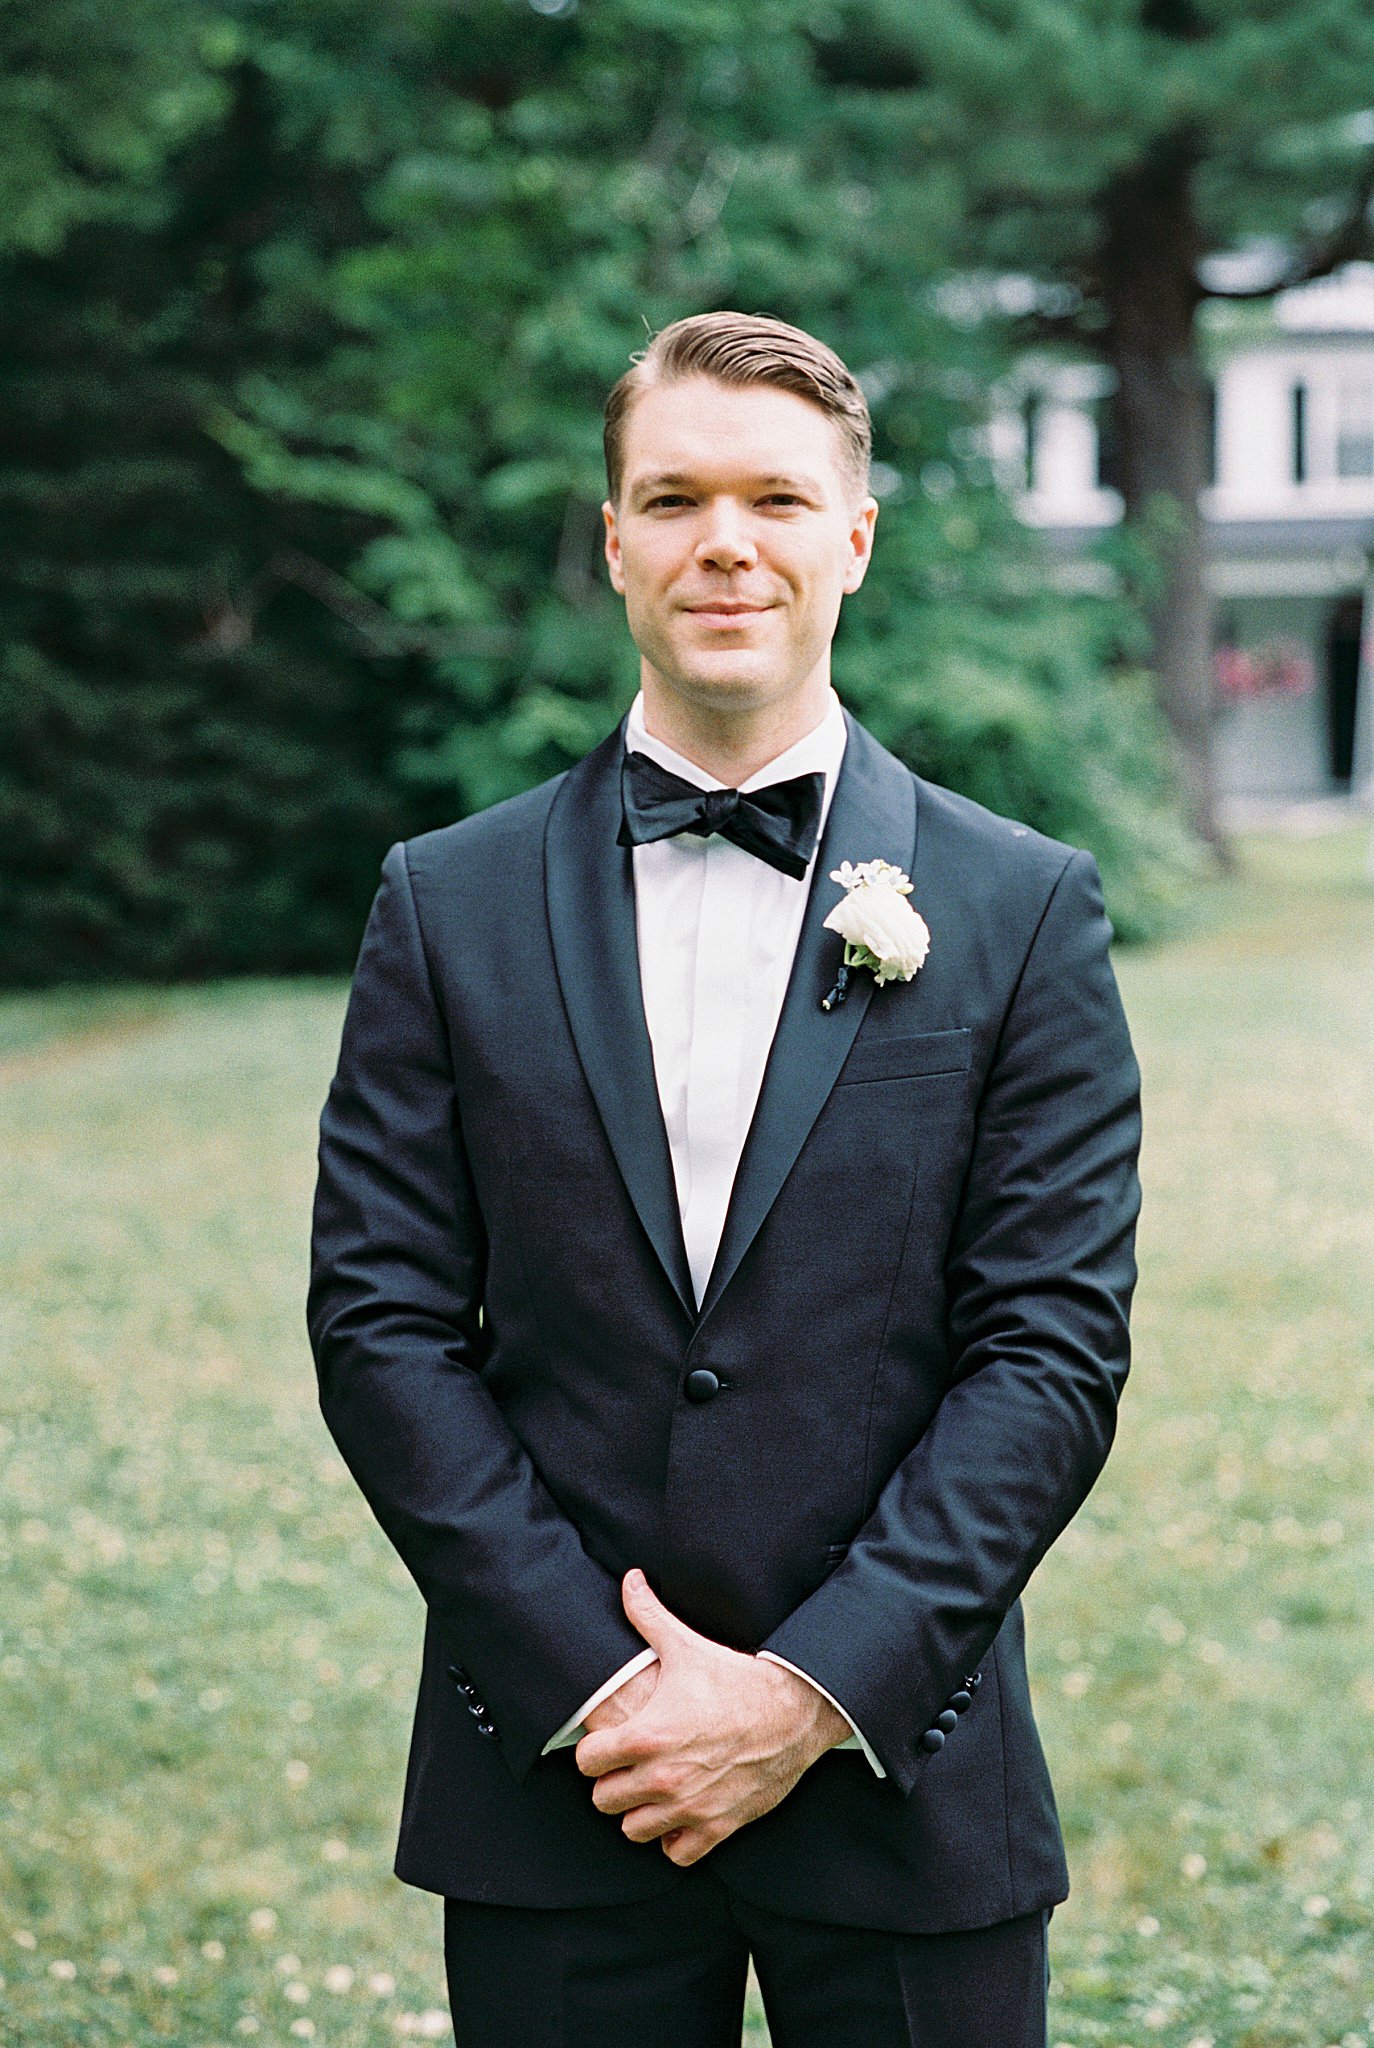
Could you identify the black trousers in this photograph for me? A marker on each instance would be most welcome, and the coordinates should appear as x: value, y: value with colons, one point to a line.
x: 672, y: 1970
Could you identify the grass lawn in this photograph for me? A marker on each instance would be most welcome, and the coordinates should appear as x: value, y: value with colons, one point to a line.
x: 208, y: 1651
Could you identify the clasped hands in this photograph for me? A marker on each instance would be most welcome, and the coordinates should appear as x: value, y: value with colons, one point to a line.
x: 693, y: 1747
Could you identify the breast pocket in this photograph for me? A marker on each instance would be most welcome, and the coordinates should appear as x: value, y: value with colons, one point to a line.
x: 900, y: 1059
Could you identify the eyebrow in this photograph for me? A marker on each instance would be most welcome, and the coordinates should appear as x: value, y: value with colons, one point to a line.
x: 675, y: 480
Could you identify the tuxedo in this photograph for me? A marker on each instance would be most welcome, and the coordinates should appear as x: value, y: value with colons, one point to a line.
x: 900, y: 1382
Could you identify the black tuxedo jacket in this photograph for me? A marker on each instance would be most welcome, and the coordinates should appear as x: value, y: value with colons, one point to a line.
x: 917, y: 1322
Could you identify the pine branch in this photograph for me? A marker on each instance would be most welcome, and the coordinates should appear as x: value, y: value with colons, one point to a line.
x: 1350, y: 241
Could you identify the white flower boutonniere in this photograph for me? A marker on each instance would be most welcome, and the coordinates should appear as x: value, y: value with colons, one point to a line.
x: 880, y: 929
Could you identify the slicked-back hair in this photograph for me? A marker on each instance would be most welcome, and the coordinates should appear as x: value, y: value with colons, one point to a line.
x: 742, y: 349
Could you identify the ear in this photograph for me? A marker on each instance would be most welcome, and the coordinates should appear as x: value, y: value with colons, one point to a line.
x: 613, y: 561
x: 860, y: 543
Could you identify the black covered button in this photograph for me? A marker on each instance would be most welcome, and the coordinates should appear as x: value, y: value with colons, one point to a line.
x: 476, y: 1709
x: 486, y: 1727
x: 701, y: 1384
x: 932, y: 1740
x: 960, y: 1700
x: 947, y: 1720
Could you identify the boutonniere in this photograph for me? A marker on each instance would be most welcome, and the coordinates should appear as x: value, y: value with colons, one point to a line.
x: 879, y: 927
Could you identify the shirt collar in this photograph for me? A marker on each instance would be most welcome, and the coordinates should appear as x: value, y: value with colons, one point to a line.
x: 822, y: 748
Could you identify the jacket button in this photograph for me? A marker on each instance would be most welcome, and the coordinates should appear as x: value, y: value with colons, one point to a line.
x: 486, y: 1727
x: 701, y: 1385
x: 932, y: 1740
x: 476, y: 1709
x: 960, y: 1700
x: 947, y: 1720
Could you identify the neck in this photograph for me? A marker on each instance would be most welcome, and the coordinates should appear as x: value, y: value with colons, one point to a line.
x: 729, y: 741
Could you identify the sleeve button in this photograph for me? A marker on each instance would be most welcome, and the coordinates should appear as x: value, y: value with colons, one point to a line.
x: 933, y: 1739
x: 946, y: 1720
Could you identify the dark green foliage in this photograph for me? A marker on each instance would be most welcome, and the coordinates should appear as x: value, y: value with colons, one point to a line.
x: 300, y: 460
x: 196, y: 757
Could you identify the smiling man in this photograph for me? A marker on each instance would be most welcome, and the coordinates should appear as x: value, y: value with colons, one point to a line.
x: 722, y: 1299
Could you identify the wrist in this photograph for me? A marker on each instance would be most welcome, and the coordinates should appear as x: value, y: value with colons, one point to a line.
x: 818, y: 1725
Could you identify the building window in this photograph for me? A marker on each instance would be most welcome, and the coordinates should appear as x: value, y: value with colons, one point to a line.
x: 1299, y: 433
x: 1108, y: 445
x: 1030, y: 424
x: 1355, y: 425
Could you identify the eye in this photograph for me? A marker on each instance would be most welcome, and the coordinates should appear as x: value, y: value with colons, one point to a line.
x: 666, y: 498
x: 783, y: 498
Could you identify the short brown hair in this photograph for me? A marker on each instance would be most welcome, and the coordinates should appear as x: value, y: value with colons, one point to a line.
x: 745, y: 348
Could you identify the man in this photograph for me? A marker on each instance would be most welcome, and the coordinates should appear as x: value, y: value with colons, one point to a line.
x: 722, y: 1330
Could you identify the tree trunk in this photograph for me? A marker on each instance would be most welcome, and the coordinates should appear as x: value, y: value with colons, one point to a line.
x: 1149, y: 258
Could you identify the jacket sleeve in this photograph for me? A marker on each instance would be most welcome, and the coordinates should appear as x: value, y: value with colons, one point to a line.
x: 398, y: 1257
x: 1040, y: 1271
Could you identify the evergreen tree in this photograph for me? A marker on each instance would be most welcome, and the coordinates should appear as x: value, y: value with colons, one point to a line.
x: 198, y: 725
x: 1108, y: 152
x: 547, y: 188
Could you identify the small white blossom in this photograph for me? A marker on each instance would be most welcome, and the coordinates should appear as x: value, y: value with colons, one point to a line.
x: 381, y: 1983
x: 262, y: 1920
x: 338, y: 1977
x: 880, y: 929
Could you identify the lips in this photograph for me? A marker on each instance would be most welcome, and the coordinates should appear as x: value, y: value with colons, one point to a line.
x: 727, y: 610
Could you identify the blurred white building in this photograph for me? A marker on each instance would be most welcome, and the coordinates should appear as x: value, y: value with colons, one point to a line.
x: 1289, y: 516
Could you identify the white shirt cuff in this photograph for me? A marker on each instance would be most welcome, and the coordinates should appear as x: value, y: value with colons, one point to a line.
x: 854, y: 1741
x: 573, y: 1729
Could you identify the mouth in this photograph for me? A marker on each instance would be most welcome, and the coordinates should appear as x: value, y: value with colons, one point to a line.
x: 726, y: 613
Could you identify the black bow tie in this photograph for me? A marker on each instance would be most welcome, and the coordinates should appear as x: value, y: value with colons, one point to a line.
x: 780, y: 823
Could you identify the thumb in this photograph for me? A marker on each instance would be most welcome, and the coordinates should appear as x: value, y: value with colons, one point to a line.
x: 658, y: 1625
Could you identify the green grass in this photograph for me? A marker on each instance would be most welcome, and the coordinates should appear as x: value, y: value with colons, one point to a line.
x: 208, y: 1651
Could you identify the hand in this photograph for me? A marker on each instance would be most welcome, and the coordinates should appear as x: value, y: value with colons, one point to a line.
x: 626, y: 1700
x: 721, y: 1740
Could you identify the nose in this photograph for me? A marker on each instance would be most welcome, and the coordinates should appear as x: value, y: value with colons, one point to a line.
x: 726, y: 542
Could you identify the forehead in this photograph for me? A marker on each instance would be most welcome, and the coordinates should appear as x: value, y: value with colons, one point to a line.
x: 699, y: 426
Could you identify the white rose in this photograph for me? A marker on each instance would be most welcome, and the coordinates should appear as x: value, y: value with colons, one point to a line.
x: 875, y: 916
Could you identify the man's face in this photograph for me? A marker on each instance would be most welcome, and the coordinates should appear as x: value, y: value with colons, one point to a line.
x: 734, y: 539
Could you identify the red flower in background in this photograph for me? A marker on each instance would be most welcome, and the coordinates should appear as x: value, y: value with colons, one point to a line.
x: 1280, y: 668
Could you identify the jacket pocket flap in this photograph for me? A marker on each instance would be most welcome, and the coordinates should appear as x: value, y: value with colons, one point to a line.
x: 895, y: 1059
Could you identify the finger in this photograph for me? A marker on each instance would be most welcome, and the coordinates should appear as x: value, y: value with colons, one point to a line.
x: 685, y: 1846
x: 648, y: 1823
x: 658, y: 1625
x: 609, y: 1749
x: 618, y: 1791
x: 616, y: 1794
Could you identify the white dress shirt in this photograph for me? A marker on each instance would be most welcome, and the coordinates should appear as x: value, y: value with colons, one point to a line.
x: 717, y: 929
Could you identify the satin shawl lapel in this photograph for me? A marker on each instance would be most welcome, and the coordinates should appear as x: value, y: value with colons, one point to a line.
x: 872, y: 817
x: 589, y: 887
